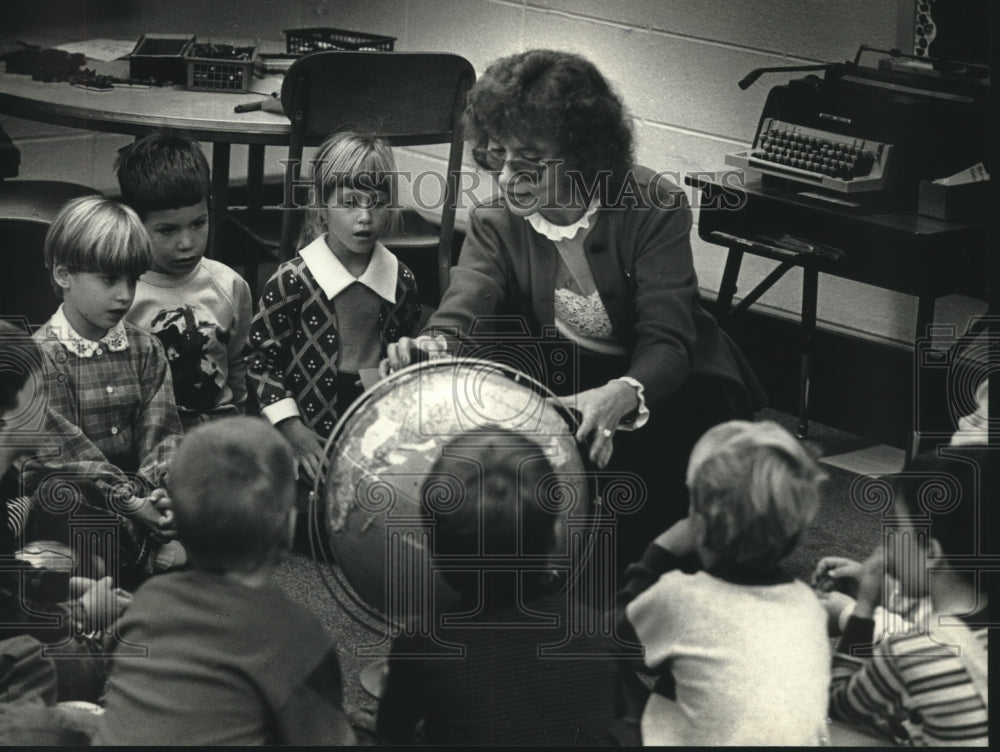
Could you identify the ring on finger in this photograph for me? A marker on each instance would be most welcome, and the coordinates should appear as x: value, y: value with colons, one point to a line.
x: 607, y: 433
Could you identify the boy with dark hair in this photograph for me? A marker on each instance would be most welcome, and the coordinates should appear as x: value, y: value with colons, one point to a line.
x: 232, y: 660
x: 503, y: 688
x: 925, y: 684
x: 200, y: 309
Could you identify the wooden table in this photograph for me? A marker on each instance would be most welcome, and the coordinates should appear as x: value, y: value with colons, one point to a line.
x: 205, y: 116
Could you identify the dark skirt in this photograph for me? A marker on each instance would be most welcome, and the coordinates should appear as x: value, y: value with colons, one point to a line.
x: 643, y: 487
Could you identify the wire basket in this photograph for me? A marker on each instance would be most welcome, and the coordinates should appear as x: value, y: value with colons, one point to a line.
x: 302, y: 41
x: 217, y: 68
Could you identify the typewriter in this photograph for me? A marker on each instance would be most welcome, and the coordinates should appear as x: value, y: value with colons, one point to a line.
x: 865, y: 135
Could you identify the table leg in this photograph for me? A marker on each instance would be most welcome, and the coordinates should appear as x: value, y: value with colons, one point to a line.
x: 255, y: 177
x: 727, y: 289
x: 762, y: 287
x: 925, y: 317
x: 220, y: 190
x: 810, y: 292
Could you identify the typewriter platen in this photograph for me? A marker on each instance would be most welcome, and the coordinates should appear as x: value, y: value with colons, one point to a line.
x: 861, y: 135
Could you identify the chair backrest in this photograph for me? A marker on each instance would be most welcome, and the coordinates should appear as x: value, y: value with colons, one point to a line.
x: 407, y: 98
x: 27, y: 208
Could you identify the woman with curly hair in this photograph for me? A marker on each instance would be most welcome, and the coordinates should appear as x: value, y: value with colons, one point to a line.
x: 589, y: 252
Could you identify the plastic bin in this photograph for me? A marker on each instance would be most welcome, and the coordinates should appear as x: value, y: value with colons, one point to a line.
x: 303, y: 41
x: 160, y: 57
x: 214, y: 67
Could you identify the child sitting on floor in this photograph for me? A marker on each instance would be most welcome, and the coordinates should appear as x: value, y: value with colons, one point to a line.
x: 837, y: 578
x: 738, y: 649
x: 925, y: 684
x: 199, y: 309
x: 486, y: 678
x: 110, y: 379
x: 37, y: 606
x: 232, y: 660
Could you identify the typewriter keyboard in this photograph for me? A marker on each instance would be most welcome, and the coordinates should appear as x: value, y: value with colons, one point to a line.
x: 791, y: 146
x: 830, y: 160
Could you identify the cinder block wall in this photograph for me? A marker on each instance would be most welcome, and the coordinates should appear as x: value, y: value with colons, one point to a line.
x: 676, y: 63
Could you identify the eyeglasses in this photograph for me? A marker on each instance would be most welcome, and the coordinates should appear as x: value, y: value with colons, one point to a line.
x: 495, y: 159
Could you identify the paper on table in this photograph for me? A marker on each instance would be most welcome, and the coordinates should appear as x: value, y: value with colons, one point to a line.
x: 974, y: 174
x: 100, y: 49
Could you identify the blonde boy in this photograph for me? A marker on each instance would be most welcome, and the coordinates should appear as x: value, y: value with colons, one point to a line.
x: 738, y: 648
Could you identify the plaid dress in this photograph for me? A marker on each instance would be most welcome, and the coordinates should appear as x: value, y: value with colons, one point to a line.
x: 118, y: 393
x: 294, y: 340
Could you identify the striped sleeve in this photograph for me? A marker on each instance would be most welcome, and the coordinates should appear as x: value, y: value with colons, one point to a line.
x: 17, y: 515
x: 914, y: 688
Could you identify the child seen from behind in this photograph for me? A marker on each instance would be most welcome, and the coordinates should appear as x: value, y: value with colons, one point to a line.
x: 232, y: 660
x: 496, y: 671
x: 200, y: 309
x: 738, y: 648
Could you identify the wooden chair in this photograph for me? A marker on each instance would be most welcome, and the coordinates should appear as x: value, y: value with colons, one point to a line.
x: 407, y: 98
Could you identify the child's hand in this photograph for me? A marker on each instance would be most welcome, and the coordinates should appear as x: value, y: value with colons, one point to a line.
x: 307, y: 446
x: 870, y: 585
x: 102, y: 602
x: 679, y: 539
x: 162, y: 503
x: 830, y: 569
x: 149, y: 519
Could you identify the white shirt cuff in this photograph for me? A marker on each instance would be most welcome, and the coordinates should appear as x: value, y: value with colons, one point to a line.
x: 280, y: 410
x: 641, y: 415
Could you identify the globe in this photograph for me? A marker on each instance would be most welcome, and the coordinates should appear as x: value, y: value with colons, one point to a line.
x: 381, y: 450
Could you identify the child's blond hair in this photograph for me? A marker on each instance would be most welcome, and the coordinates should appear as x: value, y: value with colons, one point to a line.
x: 756, y: 489
x: 96, y: 234
x: 351, y: 160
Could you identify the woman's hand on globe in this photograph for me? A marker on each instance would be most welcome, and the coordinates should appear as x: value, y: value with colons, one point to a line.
x: 601, y: 411
x: 404, y: 352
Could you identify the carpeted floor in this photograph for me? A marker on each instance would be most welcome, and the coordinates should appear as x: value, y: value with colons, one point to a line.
x: 842, y: 527
x: 318, y: 586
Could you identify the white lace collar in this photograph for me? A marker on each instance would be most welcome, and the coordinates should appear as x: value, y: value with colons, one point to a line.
x: 556, y: 232
x: 59, y: 327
